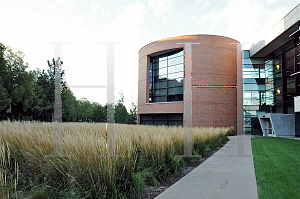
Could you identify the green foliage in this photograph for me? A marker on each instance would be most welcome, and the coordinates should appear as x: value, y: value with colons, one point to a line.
x: 99, y: 113
x: 68, y: 106
x: 121, y: 114
x: 17, y: 82
x: 85, y: 110
x: 4, y: 99
x: 132, y: 118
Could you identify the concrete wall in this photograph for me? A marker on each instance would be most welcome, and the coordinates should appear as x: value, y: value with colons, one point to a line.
x: 297, y: 124
x: 283, y: 124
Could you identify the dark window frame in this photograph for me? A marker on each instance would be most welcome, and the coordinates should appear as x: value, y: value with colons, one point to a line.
x: 154, y: 80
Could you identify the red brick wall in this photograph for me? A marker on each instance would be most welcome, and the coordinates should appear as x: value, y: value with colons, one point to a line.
x: 214, y: 63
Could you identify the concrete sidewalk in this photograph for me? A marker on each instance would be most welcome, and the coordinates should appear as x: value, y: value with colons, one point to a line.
x: 226, y: 174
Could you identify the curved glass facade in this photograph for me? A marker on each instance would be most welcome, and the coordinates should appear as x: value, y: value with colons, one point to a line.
x: 166, y: 77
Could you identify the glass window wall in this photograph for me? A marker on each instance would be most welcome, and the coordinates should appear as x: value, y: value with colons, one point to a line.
x: 175, y: 119
x: 166, y: 77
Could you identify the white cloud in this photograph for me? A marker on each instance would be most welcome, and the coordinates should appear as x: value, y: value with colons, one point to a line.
x: 160, y: 7
x: 94, y: 7
x: 105, y: 12
x: 164, y: 20
x: 127, y: 24
x: 239, y: 18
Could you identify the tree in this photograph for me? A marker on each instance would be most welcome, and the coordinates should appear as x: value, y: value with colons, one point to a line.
x: 4, y: 98
x: 30, y: 94
x: 121, y: 114
x: 132, y: 119
x: 44, y: 87
x: 85, y: 110
x: 99, y: 113
x: 68, y: 105
x: 17, y: 81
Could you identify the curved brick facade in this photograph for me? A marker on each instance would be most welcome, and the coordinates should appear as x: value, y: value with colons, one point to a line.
x: 214, y: 63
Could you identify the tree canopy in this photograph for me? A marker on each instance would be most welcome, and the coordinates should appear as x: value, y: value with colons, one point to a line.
x: 29, y: 95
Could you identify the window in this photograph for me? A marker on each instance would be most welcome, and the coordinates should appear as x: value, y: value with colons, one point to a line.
x: 175, y: 119
x: 166, y: 77
x: 254, y: 71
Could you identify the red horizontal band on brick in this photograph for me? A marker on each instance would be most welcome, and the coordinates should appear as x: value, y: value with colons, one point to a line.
x: 213, y: 87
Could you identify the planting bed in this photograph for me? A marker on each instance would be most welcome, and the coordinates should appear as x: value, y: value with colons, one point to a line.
x: 149, y: 159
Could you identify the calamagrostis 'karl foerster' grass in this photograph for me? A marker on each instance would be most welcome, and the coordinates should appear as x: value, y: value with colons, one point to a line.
x: 85, y: 142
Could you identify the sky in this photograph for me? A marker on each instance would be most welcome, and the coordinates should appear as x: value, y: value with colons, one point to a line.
x: 30, y: 25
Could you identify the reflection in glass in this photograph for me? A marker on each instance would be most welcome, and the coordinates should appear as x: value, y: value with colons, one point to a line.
x: 291, y: 87
x: 251, y: 68
x: 289, y: 62
x: 178, y: 97
x: 160, y: 122
x: 269, y: 98
x: 175, y: 68
x: 175, y: 123
x: 262, y: 73
x: 162, y: 71
x: 176, y: 55
x: 176, y: 90
x: 260, y: 87
x: 176, y: 82
x: 248, y: 113
x: 278, y: 82
x: 160, y: 99
x: 251, y: 98
x: 174, y: 61
x: 167, y: 72
x: 175, y: 75
x: 156, y: 73
x: 162, y: 119
x: 249, y: 74
x: 289, y: 54
x: 163, y: 64
x: 160, y: 84
x: 278, y: 98
x: 277, y: 60
x: 160, y: 92
x: 289, y: 71
x: 251, y: 108
x: 162, y: 77
x: 162, y: 59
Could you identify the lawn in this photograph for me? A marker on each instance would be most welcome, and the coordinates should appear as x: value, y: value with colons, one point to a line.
x: 277, y: 167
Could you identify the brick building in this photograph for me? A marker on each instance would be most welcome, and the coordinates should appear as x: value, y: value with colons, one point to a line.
x: 216, y: 84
